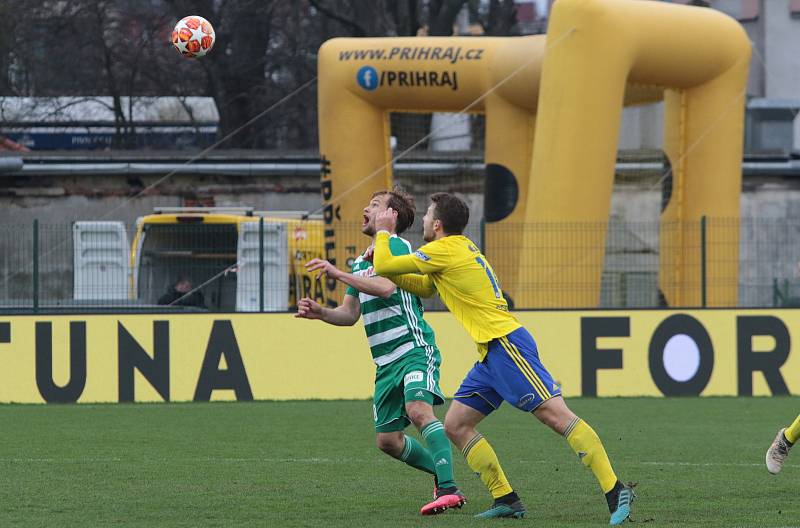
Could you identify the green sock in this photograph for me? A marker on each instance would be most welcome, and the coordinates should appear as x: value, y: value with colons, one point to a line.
x: 416, y: 456
x: 439, y: 447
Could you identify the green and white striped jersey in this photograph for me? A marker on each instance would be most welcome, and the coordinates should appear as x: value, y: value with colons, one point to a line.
x: 394, y: 326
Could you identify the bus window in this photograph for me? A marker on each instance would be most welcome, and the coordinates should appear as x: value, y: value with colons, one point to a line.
x: 197, y: 251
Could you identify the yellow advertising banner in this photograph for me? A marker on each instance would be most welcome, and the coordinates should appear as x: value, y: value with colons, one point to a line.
x: 200, y: 357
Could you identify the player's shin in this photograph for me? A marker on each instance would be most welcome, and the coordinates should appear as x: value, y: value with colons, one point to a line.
x: 792, y: 433
x: 587, y: 445
x: 482, y: 459
x: 415, y: 455
x: 440, y: 450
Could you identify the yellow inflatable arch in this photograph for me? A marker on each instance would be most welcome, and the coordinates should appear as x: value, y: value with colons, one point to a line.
x: 553, y: 108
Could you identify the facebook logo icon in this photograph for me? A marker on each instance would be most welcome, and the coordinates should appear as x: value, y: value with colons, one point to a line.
x: 367, y: 78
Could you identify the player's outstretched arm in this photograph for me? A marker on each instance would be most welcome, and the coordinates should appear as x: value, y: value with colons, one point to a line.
x: 377, y: 286
x: 384, y: 262
x: 387, y: 264
x: 415, y: 283
x: 346, y: 314
x: 420, y: 285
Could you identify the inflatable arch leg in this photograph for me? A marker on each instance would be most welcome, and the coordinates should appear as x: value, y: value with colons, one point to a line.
x: 362, y: 80
x: 701, y: 58
x: 586, y: 77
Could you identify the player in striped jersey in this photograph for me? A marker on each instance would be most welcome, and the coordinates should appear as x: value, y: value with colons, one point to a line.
x: 509, y: 367
x: 404, y: 350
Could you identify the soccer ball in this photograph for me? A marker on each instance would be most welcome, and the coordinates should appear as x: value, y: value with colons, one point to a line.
x: 193, y: 36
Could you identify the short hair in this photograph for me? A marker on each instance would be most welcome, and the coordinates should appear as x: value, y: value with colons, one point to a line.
x: 403, y: 203
x: 451, y: 211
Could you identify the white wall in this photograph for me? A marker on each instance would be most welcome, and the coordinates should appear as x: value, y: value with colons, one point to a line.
x: 642, y: 127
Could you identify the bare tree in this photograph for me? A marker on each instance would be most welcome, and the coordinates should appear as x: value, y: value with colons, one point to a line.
x: 265, y: 50
x: 442, y: 16
x: 85, y: 49
x: 262, y: 53
x: 500, y: 19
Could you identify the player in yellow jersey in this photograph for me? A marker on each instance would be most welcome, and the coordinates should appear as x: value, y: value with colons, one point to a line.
x: 509, y: 367
x: 779, y: 450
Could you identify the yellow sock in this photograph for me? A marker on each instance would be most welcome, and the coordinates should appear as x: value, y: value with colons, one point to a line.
x: 587, y: 445
x: 792, y: 433
x: 482, y: 459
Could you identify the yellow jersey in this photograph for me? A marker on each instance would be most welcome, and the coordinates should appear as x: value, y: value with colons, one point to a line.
x: 463, y: 278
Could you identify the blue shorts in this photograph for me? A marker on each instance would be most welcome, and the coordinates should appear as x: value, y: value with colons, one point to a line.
x: 511, y: 371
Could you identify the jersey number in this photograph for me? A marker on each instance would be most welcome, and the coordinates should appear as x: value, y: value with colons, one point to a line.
x: 492, y: 278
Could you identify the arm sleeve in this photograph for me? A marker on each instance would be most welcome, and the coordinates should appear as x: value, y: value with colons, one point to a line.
x: 420, y: 285
x: 429, y: 258
x: 387, y: 264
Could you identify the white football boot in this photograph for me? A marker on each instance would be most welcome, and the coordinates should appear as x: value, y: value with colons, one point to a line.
x: 777, y: 453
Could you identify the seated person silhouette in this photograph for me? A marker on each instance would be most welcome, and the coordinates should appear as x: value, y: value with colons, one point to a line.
x: 177, y: 294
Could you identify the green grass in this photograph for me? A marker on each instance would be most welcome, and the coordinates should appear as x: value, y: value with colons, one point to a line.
x: 698, y: 462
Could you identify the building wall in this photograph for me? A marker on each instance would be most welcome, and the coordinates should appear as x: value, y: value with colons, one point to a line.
x: 774, y: 69
x: 782, y: 51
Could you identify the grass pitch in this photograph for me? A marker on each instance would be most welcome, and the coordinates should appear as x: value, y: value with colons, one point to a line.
x: 698, y: 462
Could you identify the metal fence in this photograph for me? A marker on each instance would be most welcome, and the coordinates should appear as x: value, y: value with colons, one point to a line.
x: 206, y: 267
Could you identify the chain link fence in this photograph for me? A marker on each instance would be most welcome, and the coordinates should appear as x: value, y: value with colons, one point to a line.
x: 257, y: 265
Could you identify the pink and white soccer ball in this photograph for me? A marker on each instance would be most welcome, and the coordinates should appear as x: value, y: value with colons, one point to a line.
x: 193, y: 36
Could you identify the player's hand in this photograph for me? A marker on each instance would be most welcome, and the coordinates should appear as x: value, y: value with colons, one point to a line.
x: 324, y: 267
x: 369, y: 253
x: 308, y: 309
x: 386, y: 220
